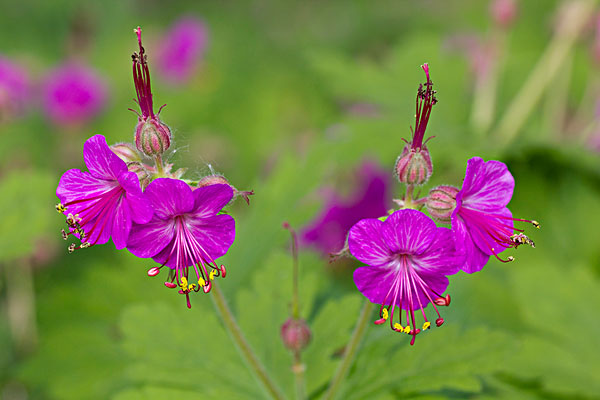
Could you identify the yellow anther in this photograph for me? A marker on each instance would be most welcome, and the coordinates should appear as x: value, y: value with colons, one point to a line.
x: 510, y: 258
x: 60, y: 208
x: 212, y: 274
x: 426, y: 325
x: 85, y: 245
x: 191, y: 287
x: 184, y: 283
x: 407, y: 329
x: 398, y: 327
x: 384, y: 314
x: 201, y: 282
x: 536, y: 224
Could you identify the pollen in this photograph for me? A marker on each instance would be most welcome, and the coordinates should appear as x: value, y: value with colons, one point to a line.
x: 212, y: 274
x: 426, y: 325
x: 398, y: 327
x: 201, y: 282
x: 407, y: 329
x: 61, y: 208
x: 536, y: 224
x: 385, y: 314
x: 184, y: 283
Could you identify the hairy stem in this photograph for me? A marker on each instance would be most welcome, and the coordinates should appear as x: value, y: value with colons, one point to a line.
x: 160, y: 170
x: 350, y: 351
x: 242, y: 344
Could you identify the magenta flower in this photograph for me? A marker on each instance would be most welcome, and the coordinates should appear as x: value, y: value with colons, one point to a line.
x: 73, y: 94
x: 408, y: 259
x: 481, y: 222
x: 181, y: 49
x: 103, y: 202
x: 329, y: 230
x: 185, y: 232
x: 14, y: 88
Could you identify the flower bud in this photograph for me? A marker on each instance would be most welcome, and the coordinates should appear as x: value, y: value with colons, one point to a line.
x: 295, y: 334
x: 441, y: 202
x: 152, y: 137
x: 213, y: 180
x: 414, y: 166
x: 126, y: 152
x: 503, y: 12
x: 220, y: 179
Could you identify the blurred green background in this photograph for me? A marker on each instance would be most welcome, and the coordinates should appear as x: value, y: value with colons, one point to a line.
x: 276, y: 105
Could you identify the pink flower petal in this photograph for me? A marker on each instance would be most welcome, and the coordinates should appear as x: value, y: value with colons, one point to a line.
x: 100, y: 160
x: 77, y: 185
x: 209, y: 200
x: 170, y: 197
x: 121, y: 224
x: 487, y: 185
x: 214, y: 234
x: 408, y: 232
x: 147, y: 240
x: 441, y: 257
x: 367, y: 244
x: 139, y: 206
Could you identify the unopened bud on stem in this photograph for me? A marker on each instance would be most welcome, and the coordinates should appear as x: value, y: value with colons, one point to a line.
x: 295, y: 334
x: 441, y: 202
x: 414, y: 166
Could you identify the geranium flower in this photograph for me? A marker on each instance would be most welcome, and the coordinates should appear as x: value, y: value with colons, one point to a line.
x: 185, y: 232
x: 481, y: 222
x: 408, y: 259
x: 329, y: 230
x: 14, y: 88
x: 181, y: 49
x: 73, y: 94
x: 103, y: 202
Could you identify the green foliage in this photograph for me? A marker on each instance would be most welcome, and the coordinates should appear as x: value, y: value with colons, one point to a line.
x: 446, y: 358
x: 269, y: 108
x: 25, y: 212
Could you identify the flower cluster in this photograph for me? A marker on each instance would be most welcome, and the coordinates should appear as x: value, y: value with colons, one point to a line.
x: 408, y: 257
x: 146, y: 208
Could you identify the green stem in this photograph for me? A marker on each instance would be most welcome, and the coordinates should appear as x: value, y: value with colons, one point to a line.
x: 350, y: 352
x: 556, y: 107
x: 486, y: 86
x: 572, y: 22
x: 160, y: 170
x: 298, y: 368
x: 242, y: 344
x: 20, y: 307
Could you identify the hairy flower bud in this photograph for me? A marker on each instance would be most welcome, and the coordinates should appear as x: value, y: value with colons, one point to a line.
x: 441, y: 202
x: 220, y: 179
x: 126, y: 152
x: 414, y: 166
x: 295, y: 334
x: 152, y: 137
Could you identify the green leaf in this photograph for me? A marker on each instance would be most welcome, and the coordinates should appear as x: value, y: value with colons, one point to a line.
x: 562, y: 335
x: 172, y: 346
x: 263, y: 309
x: 442, y: 358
